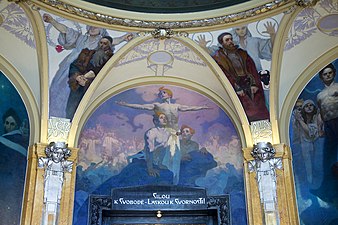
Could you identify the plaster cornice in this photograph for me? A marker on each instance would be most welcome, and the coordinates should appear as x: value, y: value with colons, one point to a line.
x: 99, y: 15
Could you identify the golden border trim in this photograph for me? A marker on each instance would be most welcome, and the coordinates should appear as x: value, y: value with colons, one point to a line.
x: 225, y: 19
x: 325, y: 30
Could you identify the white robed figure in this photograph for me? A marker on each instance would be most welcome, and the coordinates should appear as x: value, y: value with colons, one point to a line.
x: 75, y: 41
x: 162, y: 148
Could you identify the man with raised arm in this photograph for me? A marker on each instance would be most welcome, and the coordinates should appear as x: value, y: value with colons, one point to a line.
x: 166, y: 106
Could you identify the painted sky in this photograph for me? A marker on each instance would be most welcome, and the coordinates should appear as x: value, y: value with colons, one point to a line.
x: 214, y: 129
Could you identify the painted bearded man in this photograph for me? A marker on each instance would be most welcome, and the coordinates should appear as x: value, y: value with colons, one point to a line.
x: 83, y: 71
x: 241, y: 71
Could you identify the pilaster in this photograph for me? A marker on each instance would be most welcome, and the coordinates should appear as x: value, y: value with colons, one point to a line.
x: 286, y: 198
x: 34, y: 189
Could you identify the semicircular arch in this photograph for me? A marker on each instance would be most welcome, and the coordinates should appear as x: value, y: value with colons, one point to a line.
x: 234, y: 105
x: 27, y: 97
x: 76, y: 130
x: 297, y: 88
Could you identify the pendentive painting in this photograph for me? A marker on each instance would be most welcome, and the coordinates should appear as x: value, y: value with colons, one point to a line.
x: 314, y: 144
x: 77, y: 53
x: 244, y: 54
x: 159, y: 135
x: 14, y: 138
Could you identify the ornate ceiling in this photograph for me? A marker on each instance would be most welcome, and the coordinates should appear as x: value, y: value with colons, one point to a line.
x: 174, y: 14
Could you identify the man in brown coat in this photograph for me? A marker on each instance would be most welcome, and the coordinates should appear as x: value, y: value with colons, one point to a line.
x: 83, y: 71
x: 241, y: 71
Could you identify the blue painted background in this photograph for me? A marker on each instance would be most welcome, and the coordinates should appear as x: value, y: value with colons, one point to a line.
x: 12, y: 163
x: 312, y: 209
x: 219, y: 170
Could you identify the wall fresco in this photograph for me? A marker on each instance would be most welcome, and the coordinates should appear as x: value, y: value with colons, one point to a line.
x: 314, y: 144
x: 81, y: 51
x: 123, y: 144
x: 248, y: 71
x: 13, y: 151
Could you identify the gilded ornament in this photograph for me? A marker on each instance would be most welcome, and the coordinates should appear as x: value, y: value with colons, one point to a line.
x: 66, y: 7
x: 306, y: 3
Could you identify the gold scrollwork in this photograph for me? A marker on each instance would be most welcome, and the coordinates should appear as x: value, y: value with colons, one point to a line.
x: 160, y: 33
x: 306, y: 3
x: 229, y: 18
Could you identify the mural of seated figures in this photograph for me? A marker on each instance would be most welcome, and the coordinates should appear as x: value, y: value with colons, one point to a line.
x: 159, y: 135
x: 314, y: 144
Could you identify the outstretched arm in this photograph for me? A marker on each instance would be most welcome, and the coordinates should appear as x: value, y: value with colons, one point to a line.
x: 185, y: 108
x: 202, y: 42
x: 126, y: 37
x: 49, y: 19
x: 136, y: 106
x: 270, y: 29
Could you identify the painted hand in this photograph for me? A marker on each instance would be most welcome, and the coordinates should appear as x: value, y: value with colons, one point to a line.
x: 154, y: 173
x: 270, y: 28
x: 47, y: 18
x: 201, y: 41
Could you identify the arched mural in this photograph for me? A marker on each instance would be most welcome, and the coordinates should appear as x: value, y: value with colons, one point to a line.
x: 314, y: 144
x: 13, y: 151
x: 159, y: 135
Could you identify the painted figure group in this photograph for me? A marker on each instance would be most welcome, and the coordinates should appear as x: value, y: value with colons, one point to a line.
x: 311, y: 121
x: 162, y: 144
x: 239, y: 55
x: 90, y: 52
x: 327, y: 101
